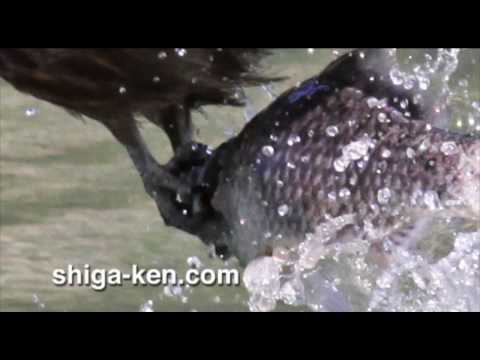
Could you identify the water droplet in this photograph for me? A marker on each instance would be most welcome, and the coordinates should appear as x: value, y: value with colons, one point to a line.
x: 353, y: 180
x: 305, y: 159
x: 340, y: 165
x: 382, y: 117
x: 162, y: 55
x: 476, y: 105
x: 293, y: 139
x: 268, y: 151
x: 181, y: 52
x: 156, y: 79
x: 449, y: 148
x: 424, y: 146
x: 409, y: 83
x: 172, y: 290
x: 332, y: 131
x: 384, y: 195
x: 357, y: 149
x: 36, y: 301
x: 372, y: 102
x: 283, y: 210
x: 194, y: 262
x: 423, y: 82
x: 386, y: 153
x: 432, y: 200
x: 396, y: 76
x: 310, y: 51
x: 344, y: 193
x: 332, y: 196
x: 122, y: 90
x: 31, y: 112
x: 147, y: 307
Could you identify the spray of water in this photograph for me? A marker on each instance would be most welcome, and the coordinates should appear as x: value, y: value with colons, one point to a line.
x: 347, y: 276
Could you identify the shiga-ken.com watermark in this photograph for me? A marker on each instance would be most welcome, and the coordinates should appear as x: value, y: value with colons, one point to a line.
x: 101, y: 279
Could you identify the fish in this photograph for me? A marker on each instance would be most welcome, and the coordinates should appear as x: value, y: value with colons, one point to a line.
x: 346, y: 155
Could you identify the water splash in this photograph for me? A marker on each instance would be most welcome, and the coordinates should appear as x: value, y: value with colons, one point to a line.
x: 443, y: 274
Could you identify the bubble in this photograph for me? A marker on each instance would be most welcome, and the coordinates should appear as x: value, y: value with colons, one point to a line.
x: 122, y: 90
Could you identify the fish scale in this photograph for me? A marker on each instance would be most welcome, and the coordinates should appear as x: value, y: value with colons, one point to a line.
x: 382, y: 193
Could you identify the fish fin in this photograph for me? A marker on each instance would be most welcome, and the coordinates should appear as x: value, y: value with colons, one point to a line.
x: 369, y: 70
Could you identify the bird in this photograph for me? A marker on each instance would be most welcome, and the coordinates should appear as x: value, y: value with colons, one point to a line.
x: 114, y: 85
x: 345, y: 155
